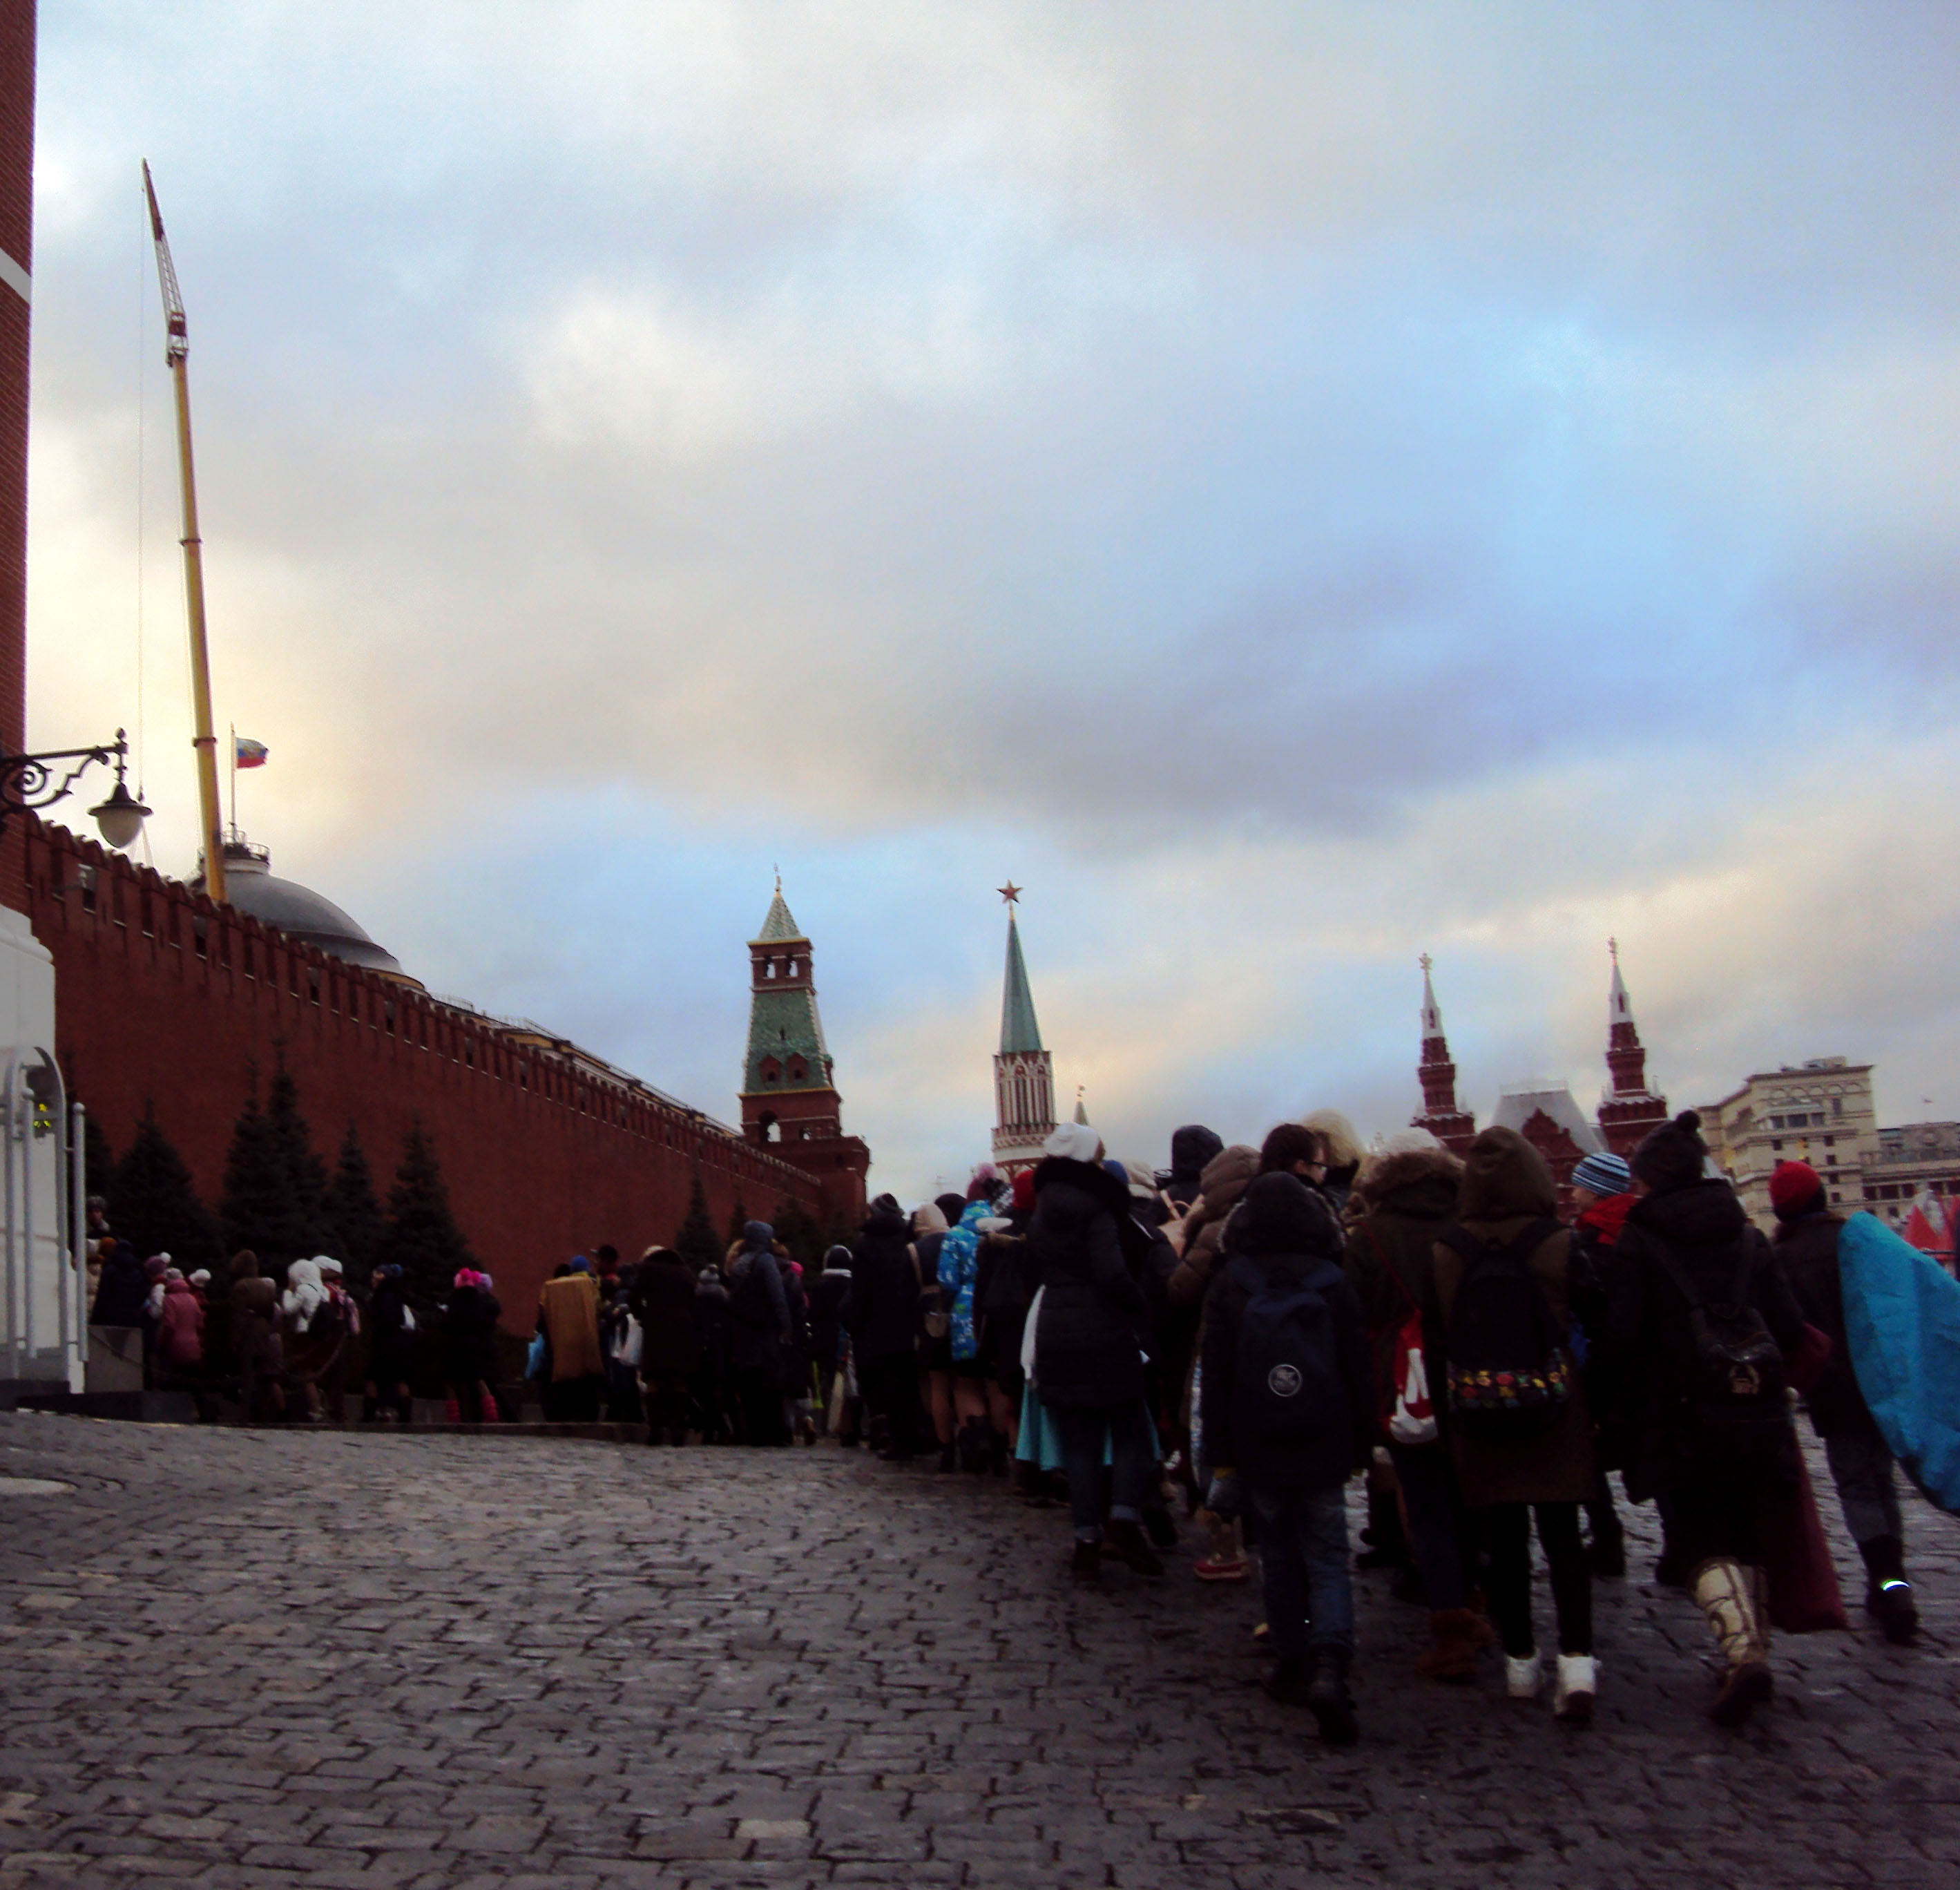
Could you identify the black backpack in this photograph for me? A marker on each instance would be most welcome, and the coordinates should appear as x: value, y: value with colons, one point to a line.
x: 749, y: 1300
x: 1738, y: 1376
x: 1509, y: 1368
x: 1290, y: 1389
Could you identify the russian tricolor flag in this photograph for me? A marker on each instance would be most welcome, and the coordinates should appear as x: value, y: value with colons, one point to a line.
x: 248, y: 753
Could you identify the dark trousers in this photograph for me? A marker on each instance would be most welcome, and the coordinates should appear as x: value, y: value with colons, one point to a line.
x: 666, y: 1401
x: 1309, y: 1589
x: 761, y: 1402
x: 1085, y: 1429
x: 890, y: 1385
x: 574, y: 1401
x: 1509, y: 1527
x: 711, y: 1404
x: 1602, y: 1513
x: 1428, y: 1482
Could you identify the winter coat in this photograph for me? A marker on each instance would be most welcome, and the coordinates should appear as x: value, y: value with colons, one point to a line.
x: 254, y: 1314
x: 1410, y: 1197
x: 119, y: 1299
x: 958, y: 1271
x: 1506, y: 1187
x: 469, y: 1336
x: 829, y: 1314
x: 1808, y: 1249
x: 568, y: 1316
x: 761, y: 1321
x: 1301, y: 1243
x: 884, y: 1289
x: 180, y: 1333
x: 304, y: 1295
x: 392, y: 1346
x: 1650, y: 1359
x: 662, y: 1299
x: 1227, y: 1175
x: 713, y: 1329
x: 1088, y: 1340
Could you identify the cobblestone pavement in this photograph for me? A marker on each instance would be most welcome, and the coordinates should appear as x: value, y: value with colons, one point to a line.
x: 271, y: 1658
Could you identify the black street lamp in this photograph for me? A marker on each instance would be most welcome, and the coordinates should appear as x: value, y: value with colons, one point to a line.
x: 29, y: 781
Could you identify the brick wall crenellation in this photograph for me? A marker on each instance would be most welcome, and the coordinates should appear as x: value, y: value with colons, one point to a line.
x: 165, y: 1000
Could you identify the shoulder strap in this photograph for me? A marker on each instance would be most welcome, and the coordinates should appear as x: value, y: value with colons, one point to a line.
x: 1388, y: 1265
x: 1246, y: 1272
x: 1683, y: 1283
x: 1748, y: 1267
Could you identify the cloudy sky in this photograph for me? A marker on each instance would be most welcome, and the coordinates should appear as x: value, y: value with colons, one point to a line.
x: 1293, y: 488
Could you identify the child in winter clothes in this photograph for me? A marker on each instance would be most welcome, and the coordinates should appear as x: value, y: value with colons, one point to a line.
x: 1288, y: 1412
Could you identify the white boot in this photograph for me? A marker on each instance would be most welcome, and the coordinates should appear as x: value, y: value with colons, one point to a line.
x: 1522, y: 1678
x: 1572, y: 1695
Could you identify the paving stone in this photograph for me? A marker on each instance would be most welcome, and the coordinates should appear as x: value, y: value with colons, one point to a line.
x: 334, y: 1661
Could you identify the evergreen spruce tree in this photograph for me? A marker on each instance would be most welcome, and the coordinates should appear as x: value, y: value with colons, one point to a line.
x: 153, y: 1205
x: 305, y: 1173
x: 423, y: 1238
x: 98, y: 1156
x: 254, y: 1207
x: 695, y: 1242
x: 736, y: 1221
x: 839, y: 1233
x: 796, y: 1228
x: 360, y: 1228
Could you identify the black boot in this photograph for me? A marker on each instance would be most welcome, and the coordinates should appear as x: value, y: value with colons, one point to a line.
x: 1287, y: 1683
x: 1388, y: 1542
x: 1136, y: 1554
x: 1888, y: 1593
x: 996, y: 1455
x: 1085, y: 1565
x: 1329, y: 1700
x: 971, y: 1444
x: 1158, y: 1527
x: 949, y: 1458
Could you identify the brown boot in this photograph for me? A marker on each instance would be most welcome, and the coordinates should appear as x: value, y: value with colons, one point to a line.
x: 1457, y: 1636
x: 1732, y: 1598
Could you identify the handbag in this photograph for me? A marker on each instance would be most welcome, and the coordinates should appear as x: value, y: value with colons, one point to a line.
x: 537, y: 1359
x: 1807, y: 1363
x: 1028, y: 1331
x: 633, y: 1344
x: 1413, y: 1419
x: 933, y: 1314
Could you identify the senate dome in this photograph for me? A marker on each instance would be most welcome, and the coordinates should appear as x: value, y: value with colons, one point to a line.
x: 250, y: 887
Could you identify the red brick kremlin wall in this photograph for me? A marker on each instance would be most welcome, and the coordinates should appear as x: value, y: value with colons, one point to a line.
x: 163, y: 999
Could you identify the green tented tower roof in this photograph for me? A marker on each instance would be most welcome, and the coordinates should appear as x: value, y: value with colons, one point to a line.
x: 1019, y: 1029
x: 783, y: 1020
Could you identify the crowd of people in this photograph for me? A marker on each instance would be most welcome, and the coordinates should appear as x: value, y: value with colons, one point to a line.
x: 1238, y: 1335
x: 1255, y: 1327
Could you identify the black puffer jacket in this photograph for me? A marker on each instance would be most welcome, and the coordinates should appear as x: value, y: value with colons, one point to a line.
x: 884, y: 1288
x: 662, y: 1299
x: 1649, y: 1365
x: 1088, y: 1341
x: 1808, y: 1249
x: 121, y: 1292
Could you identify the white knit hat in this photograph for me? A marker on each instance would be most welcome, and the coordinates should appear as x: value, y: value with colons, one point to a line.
x: 1074, y: 1142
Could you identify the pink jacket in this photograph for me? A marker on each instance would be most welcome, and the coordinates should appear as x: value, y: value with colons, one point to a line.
x: 180, y: 1332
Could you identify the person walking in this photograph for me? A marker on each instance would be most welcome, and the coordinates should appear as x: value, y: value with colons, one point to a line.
x: 1602, y: 1186
x: 1860, y: 1460
x: 1699, y: 1319
x: 121, y: 1290
x: 1288, y: 1417
x: 959, y: 1270
x: 829, y: 1311
x: 470, y: 1317
x: 931, y: 1221
x: 760, y: 1309
x: 391, y: 1338
x: 1407, y: 1195
x: 662, y: 1299
x: 1520, y: 1434
x: 568, y: 1317
x: 254, y: 1340
x: 713, y: 1338
x: 883, y: 1318
x: 1089, y: 1360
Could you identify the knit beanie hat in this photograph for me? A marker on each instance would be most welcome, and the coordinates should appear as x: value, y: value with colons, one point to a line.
x: 1073, y: 1142
x: 1672, y: 1156
x: 1795, y: 1189
x: 1604, y: 1173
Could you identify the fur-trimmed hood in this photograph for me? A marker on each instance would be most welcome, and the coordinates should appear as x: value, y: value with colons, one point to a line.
x: 1424, y: 1171
x: 1090, y: 1177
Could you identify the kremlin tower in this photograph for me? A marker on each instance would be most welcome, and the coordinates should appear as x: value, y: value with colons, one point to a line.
x: 789, y: 1097
x: 1024, y: 1073
x: 1453, y: 1127
x: 1629, y: 1109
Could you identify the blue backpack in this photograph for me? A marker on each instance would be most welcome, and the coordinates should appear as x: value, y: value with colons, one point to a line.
x: 1290, y: 1389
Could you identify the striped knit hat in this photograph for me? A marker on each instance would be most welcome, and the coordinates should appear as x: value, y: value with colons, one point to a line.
x: 1605, y: 1174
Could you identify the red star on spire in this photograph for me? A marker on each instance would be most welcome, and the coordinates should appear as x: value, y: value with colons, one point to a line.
x: 1010, y: 893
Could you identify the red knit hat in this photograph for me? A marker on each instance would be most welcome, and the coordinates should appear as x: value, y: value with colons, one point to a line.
x: 1794, y: 1187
